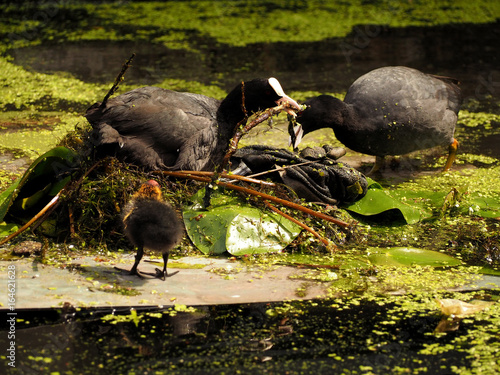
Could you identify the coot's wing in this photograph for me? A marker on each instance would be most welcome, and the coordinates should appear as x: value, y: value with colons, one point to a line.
x: 159, y: 117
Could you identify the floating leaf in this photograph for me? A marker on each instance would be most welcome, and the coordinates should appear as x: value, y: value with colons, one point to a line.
x: 230, y: 224
x: 455, y: 307
x: 45, y: 177
x: 410, y: 256
x: 484, y: 206
x: 378, y: 200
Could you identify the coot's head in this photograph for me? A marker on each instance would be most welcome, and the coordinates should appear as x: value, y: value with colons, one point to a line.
x: 262, y: 93
x: 323, y: 111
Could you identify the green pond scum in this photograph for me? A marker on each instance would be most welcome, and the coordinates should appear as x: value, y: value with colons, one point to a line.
x: 360, y: 335
x: 380, y: 314
x: 236, y: 23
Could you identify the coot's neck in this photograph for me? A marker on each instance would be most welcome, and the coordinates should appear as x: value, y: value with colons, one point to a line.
x: 327, y: 112
x: 347, y: 123
x: 230, y: 112
x: 229, y: 115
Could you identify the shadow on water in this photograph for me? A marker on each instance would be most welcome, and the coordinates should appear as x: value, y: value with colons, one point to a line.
x: 465, y: 51
x: 308, y: 338
x: 216, y: 339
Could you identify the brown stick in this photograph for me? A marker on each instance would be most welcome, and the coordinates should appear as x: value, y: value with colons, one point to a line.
x: 242, y: 130
x: 193, y: 175
x: 231, y: 176
x: 42, y: 212
x: 299, y: 223
x: 118, y: 80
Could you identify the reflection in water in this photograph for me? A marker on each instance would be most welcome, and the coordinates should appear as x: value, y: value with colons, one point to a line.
x: 467, y: 52
x: 300, y: 337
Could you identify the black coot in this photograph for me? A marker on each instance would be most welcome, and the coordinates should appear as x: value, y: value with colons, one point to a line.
x: 158, y: 128
x: 149, y: 222
x: 389, y: 111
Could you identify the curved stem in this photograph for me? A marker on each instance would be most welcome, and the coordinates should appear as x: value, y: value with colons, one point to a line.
x: 299, y: 223
x: 195, y: 176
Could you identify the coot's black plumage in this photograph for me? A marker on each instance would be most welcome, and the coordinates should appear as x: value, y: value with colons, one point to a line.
x: 149, y: 222
x: 390, y: 111
x: 158, y: 128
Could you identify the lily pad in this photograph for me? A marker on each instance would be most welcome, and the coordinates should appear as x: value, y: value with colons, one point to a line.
x: 46, y: 176
x: 231, y: 224
x: 378, y: 200
x: 487, y: 207
x: 410, y: 256
x: 7, y: 229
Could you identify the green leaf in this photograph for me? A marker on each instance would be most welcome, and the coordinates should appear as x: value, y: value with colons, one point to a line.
x: 7, y: 197
x: 45, y: 177
x: 234, y: 226
x: 253, y: 231
x: 378, y: 200
x: 7, y: 229
x: 410, y: 256
x: 484, y: 206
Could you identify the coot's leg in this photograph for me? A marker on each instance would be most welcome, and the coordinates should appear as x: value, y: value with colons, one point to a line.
x: 162, y: 274
x: 452, y: 153
x: 138, y: 257
x: 379, y: 163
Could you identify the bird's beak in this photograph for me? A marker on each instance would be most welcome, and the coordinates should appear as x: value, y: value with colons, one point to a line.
x: 299, y: 133
x: 290, y: 105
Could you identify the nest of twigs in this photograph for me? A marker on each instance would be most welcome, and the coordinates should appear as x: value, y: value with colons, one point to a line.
x: 88, y: 213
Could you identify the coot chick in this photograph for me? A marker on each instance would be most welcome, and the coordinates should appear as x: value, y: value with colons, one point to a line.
x: 158, y: 128
x: 390, y: 111
x: 149, y: 222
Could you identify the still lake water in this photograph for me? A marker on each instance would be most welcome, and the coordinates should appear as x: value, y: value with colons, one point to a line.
x: 314, y: 338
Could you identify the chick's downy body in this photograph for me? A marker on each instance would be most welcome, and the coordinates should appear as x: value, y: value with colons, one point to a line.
x: 151, y: 223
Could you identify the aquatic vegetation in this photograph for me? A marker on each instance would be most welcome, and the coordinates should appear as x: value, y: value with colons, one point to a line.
x: 236, y: 23
x: 364, y: 326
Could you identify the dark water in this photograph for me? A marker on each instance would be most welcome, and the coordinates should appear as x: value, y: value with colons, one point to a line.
x: 227, y: 339
x: 311, y: 339
x: 467, y: 52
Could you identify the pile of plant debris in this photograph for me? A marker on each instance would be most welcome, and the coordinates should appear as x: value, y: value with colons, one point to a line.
x: 88, y: 208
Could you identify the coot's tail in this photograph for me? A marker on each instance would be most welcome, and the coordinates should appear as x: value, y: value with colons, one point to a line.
x: 454, y: 92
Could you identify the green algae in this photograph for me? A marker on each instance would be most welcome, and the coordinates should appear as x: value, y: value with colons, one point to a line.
x: 236, y: 23
x: 314, y: 345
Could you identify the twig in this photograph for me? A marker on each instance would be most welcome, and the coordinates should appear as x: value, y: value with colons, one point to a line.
x: 234, y: 177
x: 281, y: 168
x: 118, y: 80
x: 47, y: 210
x: 193, y: 175
x: 299, y: 223
x: 242, y: 130
x: 42, y: 212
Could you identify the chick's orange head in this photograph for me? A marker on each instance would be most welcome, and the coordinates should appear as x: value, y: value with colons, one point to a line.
x: 149, y: 190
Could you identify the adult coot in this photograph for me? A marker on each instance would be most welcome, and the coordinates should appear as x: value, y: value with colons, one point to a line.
x: 149, y: 222
x: 158, y: 128
x: 389, y: 111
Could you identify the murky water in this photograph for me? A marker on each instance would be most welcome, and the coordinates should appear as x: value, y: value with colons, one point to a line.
x: 320, y: 339
x: 309, y: 338
x: 467, y: 52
